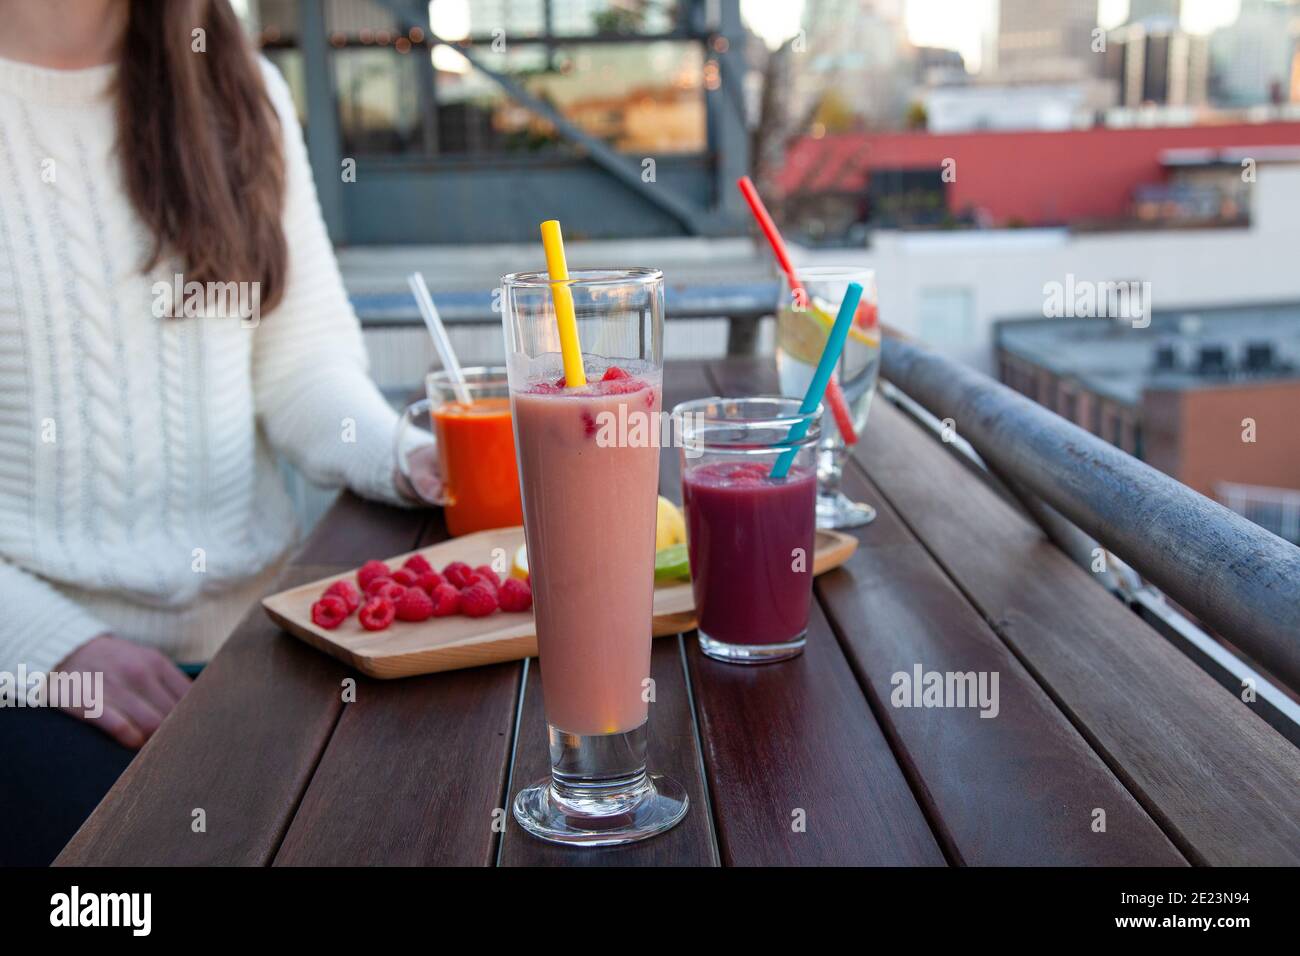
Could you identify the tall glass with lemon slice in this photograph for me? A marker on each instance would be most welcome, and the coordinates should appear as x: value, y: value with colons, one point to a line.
x: 803, y: 323
x: 588, y: 453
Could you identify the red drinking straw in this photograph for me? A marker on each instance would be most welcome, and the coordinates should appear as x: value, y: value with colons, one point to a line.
x: 834, y: 394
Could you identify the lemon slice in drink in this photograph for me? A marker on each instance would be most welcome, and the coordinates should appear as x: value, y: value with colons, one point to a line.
x: 672, y: 563
x: 800, y: 335
x: 519, y: 567
x: 824, y: 313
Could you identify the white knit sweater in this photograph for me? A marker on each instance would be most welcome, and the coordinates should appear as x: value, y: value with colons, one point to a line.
x: 138, y: 493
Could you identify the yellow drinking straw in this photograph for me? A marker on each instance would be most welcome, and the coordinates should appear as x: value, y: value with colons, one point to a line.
x: 553, y: 242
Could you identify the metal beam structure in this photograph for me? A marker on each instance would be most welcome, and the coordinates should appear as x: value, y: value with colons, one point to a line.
x: 323, y: 129
x: 1239, y: 579
x: 629, y: 174
x: 693, y: 193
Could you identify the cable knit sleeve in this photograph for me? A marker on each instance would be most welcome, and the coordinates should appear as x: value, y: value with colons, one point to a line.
x: 314, y: 397
x: 41, y: 626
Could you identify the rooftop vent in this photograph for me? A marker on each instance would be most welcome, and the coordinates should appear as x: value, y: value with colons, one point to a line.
x: 1259, y: 357
x: 1166, y: 358
x: 1212, y: 360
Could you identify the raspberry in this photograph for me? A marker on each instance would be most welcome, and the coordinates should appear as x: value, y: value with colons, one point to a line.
x: 588, y: 424
x: 371, y: 570
x: 428, y: 581
x: 477, y: 600
x: 621, y: 386
x: 515, y: 595
x: 405, y: 577
x: 418, y: 563
x: 414, y: 605
x: 329, y: 612
x: 485, y: 582
x: 614, y: 372
x: 458, y: 574
x: 347, y: 592
x: 376, y: 583
x: 377, y: 613
x: 486, y: 571
x: 390, y: 590
x: 446, y: 600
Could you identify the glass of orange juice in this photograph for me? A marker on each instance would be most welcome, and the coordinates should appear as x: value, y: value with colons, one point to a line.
x: 470, y: 432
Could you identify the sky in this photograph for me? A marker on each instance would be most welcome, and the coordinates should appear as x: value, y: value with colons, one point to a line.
x: 964, y: 25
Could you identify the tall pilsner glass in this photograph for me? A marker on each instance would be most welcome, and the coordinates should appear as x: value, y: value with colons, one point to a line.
x: 589, y: 472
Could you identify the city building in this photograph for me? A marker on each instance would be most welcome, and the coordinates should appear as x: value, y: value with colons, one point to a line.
x: 938, y: 66
x: 1019, y: 106
x: 948, y: 287
x: 1139, y: 10
x: 1156, y: 62
x: 1209, y: 397
x: 1046, y: 40
x: 1076, y: 177
x: 1253, y: 60
x: 854, y: 66
x: 462, y: 121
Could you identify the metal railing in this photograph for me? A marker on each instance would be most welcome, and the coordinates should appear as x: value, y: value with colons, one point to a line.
x: 1240, y: 580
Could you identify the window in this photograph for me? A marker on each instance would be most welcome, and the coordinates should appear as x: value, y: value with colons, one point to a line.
x: 400, y: 92
x: 640, y: 98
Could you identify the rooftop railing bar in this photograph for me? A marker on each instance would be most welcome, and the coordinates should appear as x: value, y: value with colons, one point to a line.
x: 1239, y: 579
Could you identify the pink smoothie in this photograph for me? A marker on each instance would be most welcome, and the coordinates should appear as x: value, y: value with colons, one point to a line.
x: 743, y: 530
x: 589, y: 518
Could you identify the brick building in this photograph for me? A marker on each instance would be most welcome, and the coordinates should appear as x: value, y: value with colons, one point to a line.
x: 1210, y: 397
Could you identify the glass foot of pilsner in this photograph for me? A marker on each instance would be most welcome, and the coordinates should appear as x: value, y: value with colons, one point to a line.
x: 599, y: 793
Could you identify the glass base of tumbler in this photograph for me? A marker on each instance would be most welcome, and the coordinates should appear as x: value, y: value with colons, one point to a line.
x: 837, y: 511
x: 599, y: 793
x: 751, y: 653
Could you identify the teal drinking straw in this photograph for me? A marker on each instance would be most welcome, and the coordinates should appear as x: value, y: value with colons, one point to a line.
x: 825, y: 367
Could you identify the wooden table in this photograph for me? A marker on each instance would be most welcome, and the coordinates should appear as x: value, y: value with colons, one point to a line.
x: 1109, y: 746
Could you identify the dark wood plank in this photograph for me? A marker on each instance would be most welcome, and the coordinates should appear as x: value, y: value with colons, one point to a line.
x: 422, y: 760
x: 673, y: 751
x: 244, y: 742
x: 1018, y: 788
x: 355, y: 530
x: 1219, y: 781
x: 795, y: 744
x: 799, y: 735
x: 413, y: 775
x: 241, y: 746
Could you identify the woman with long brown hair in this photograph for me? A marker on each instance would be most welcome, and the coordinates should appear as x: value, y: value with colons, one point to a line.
x: 144, y: 148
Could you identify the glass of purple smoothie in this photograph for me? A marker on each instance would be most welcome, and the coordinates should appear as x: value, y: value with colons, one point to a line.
x: 750, y: 536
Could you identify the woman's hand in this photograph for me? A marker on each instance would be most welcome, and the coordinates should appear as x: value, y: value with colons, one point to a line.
x: 425, y: 484
x: 141, y: 686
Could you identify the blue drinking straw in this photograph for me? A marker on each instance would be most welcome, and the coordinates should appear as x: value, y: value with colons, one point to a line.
x: 825, y: 367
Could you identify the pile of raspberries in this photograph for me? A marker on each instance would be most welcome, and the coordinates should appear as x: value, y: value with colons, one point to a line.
x: 416, y: 592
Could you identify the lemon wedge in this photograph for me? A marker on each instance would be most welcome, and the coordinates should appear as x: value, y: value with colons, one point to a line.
x: 670, y: 524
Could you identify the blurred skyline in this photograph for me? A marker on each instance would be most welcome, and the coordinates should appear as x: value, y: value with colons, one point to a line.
x: 965, y: 25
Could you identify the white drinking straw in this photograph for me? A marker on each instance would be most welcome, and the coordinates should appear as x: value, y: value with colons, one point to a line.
x: 438, y: 332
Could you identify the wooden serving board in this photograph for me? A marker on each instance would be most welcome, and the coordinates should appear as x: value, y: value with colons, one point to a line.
x: 450, y: 643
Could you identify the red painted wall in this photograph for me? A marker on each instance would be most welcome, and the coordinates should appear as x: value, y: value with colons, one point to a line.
x: 1038, y: 177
